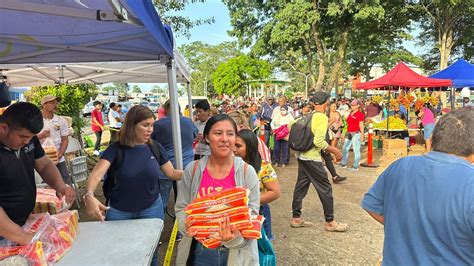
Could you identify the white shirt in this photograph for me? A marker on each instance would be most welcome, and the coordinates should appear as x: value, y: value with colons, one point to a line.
x: 112, y: 119
x: 58, y: 128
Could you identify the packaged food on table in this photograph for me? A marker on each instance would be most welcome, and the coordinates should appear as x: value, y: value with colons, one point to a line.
x: 54, y: 236
x: 47, y: 201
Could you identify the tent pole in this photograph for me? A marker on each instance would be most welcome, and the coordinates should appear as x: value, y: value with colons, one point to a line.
x: 190, y: 101
x: 175, y: 123
x: 453, y: 100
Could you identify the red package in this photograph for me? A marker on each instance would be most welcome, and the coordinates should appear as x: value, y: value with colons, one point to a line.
x: 219, y: 201
x: 255, y: 232
x: 31, y: 254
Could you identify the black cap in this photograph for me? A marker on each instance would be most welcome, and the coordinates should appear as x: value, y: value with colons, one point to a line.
x: 319, y: 97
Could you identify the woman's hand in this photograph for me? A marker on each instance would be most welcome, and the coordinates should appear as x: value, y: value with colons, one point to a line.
x: 187, y: 225
x: 225, y: 232
x: 95, y: 208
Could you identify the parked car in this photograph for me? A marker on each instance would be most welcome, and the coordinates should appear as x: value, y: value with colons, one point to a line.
x: 87, y: 110
x: 125, y: 106
x: 154, y: 106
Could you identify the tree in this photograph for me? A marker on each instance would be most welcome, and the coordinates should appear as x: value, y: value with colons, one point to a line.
x: 447, y: 26
x: 169, y: 13
x: 322, y: 31
x: 122, y: 88
x: 136, y: 89
x: 203, y: 60
x: 232, y: 76
x: 73, y: 99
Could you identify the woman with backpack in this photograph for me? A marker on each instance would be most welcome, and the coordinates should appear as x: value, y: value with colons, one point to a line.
x: 215, y: 172
x: 280, y: 125
x: 135, y: 191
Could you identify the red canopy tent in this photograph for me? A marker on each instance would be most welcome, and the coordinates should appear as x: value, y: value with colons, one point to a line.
x: 402, y: 76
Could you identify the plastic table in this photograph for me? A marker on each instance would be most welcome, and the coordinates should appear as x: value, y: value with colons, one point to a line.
x: 127, y: 242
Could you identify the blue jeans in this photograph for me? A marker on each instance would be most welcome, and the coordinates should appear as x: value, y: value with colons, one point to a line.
x: 165, y: 190
x: 154, y: 211
x: 355, y: 141
x: 201, y: 255
x: 267, y: 223
x: 280, y: 154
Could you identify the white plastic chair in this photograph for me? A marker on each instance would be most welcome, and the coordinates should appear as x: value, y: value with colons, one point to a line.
x: 77, y: 167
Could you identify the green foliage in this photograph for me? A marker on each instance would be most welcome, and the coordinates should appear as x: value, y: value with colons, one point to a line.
x: 231, y: 77
x: 122, y: 88
x: 445, y: 23
x: 308, y: 37
x: 136, y: 89
x: 181, y: 25
x: 73, y: 99
x: 203, y: 60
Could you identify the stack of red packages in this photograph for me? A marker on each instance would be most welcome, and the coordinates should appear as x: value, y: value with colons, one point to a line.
x: 47, y: 201
x: 208, y: 212
x: 54, y: 236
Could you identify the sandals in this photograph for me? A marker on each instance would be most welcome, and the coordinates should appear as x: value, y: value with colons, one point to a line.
x: 303, y: 223
x: 339, y: 179
x: 339, y: 227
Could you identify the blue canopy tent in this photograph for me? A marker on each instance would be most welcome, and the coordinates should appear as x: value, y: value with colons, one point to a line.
x: 461, y: 73
x: 89, y: 41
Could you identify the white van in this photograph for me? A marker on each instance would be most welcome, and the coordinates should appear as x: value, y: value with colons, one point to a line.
x: 183, y: 101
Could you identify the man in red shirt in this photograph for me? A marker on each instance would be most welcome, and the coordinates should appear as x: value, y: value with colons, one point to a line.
x: 97, y: 125
x: 354, y: 135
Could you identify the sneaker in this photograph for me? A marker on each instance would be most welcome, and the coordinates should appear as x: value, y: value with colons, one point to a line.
x: 353, y: 169
x: 179, y: 237
x: 339, y: 179
x: 96, y: 153
x: 283, y: 165
x: 343, y: 166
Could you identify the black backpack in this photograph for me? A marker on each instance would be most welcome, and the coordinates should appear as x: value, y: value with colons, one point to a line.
x: 301, y: 137
x: 109, y: 181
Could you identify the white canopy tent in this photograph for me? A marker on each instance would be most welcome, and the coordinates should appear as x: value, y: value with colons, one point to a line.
x: 45, y: 42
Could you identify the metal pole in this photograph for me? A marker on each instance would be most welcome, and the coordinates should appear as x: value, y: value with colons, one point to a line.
x: 175, y: 124
x: 190, y: 101
x: 453, y: 98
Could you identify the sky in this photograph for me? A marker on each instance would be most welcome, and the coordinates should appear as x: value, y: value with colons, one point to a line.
x: 216, y: 32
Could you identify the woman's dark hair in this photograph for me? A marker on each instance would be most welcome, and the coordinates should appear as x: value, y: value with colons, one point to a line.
x: 217, y: 118
x: 23, y: 115
x: 454, y: 133
x: 252, y: 156
x: 135, y: 115
x: 112, y: 105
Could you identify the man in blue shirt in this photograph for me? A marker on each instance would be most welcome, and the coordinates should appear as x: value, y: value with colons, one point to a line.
x: 162, y: 133
x: 426, y: 203
x: 265, y: 115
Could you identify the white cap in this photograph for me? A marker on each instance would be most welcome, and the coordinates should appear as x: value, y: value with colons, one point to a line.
x: 465, y: 92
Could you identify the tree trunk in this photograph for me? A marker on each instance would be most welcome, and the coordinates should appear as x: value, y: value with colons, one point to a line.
x: 341, y: 55
x: 445, y: 46
x: 322, y: 57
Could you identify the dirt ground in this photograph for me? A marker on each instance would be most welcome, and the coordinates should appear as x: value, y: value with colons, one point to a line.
x: 361, y: 244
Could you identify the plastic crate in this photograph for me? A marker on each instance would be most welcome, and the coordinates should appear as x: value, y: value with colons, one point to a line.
x: 79, y: 168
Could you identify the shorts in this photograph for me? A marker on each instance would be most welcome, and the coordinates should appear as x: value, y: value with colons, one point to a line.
x: 428, y: 131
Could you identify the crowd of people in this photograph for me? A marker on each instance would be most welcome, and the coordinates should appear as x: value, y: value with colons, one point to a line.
x: 238, y: 142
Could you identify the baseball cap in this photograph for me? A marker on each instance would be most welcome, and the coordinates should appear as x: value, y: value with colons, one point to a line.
x: 355, y: 102
x: 270, y: 97
x: 319, y: 97
x: 49, y: 98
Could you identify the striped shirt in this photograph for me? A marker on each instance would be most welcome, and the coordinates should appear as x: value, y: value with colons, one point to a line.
x: 263, y: 150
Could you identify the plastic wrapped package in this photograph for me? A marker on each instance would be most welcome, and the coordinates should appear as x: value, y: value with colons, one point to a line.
x: 207, y: 213
x: 50, y: 149
x: 255, y: 231
x: 54, y: 236
x: 47, y: 201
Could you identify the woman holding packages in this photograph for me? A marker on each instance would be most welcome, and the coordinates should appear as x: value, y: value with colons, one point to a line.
x: 220, y: 170
x: 136, y: 193
x: 246, y: 147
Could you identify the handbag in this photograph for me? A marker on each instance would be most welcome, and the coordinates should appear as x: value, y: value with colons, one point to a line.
x: 266, y: 253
